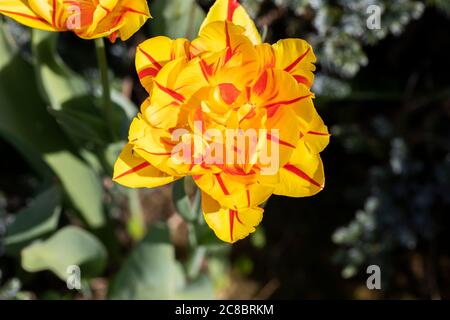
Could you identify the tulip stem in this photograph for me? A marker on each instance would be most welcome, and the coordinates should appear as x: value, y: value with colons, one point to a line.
x: 106, y: 88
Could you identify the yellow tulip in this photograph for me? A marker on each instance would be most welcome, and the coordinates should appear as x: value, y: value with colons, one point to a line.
x: 227, y: 80
x: 89, y: 19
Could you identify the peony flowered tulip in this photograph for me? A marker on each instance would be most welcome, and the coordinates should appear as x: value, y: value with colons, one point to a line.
x: 235, y: 114
x: 89, y: 19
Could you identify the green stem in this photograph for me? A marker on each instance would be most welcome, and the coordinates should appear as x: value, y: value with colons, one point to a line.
x: 106, y: 92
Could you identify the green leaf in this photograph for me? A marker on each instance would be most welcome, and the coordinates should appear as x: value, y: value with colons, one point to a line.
x: 38, y: 219
x: 151, y: 272
x: 201, y: 289
x: 57, y: 82
x: 176, y: 18
x: 82, y: 121
x: 148, y: 271
x: 67, y: 94
x: 82, y: 186
x: 70, y: 246
x: 27, y: 125
x: 76, y: 109
x: 182, y: 201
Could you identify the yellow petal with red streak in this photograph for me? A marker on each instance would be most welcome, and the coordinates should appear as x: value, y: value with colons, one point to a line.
x: 132, y: 171
x: 152, y: 55
x: 232, y: 11
x: 230, y: 225
x: 296, y: 57
x: 22, y: 12
x: 314, y: 131
x: 303, y: 176
x: 136, y: 14
x: 234, y: 191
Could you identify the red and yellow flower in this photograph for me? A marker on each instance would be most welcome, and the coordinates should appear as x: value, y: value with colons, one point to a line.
x: 227, y: 79
x: 89, y: 19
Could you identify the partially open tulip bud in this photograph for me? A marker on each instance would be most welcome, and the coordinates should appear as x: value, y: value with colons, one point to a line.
x: 89, y: 19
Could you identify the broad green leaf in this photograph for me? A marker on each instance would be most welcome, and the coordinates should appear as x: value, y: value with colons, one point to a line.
x: 82, y: 185
x: 38, y: 219
x: 82, y: 121
x: 76, y: 109
x: 58, y: 83
x: 151, y: 272
x: 201, y: 289
x: 68, y: 247
x: 176, y: 18
x: 148, y: 271
x: 27, y: 125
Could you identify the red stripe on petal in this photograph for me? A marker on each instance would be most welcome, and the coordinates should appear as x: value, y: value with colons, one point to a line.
x: 248, y: 198
x: 238, y: 219
x: 232, y: 215
x: 249, y: 115
x: 113, y: 36
x: 133, y: 170
x: 128, y: 9
x: 229, y: 92
x: 229, y: 53
x: 155, y: 153
x: 54, y: 13
x: 24, y: 15
x: 222, y: 185
x: 172, y: 93
x: 315, y: 133
x: 272, y: 111
x: 207, y: 69
x: 151, y: 59
x: 232, y: 6
x: 301, y: 174
x: 281, y: 142
x: 297, y: 61
x: 301, y: 79
x: 261, y: 85
x: 105, y: 8
x: 287, y: 102
x: 148, y: 72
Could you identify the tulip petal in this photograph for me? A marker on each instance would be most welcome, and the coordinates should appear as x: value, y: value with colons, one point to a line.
x: 111, y: 18
x: 230, y: 225
x: 234, y: 191
x: 266, y: 56
x: 296, y: 57
x: 132, y: 171
x: 23, y: 13
x: 153, y: 54
x: 136, y: 14
x: 232, y: 11
x: 283, y: 131
x: 275, y: 89
x: 176, y: 81
x: 303, y: 176
x: 219, y: 36
x: 314, y: 131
